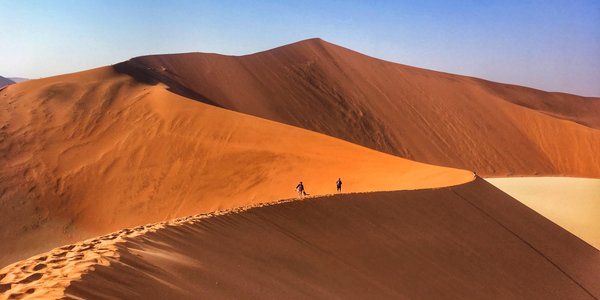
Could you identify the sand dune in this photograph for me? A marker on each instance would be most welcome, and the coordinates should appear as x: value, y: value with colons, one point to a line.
x: 468, y: 241
x: 443, y: 119
x: 93, y: 152
x: 164, y: 137
x: 5, y: 81
x: 573, y: 203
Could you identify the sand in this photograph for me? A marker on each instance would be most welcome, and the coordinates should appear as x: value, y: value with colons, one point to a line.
x: 443, y: 119
x: 467, y: 241
x: 164, y: 137
x: 89, y: 153
x: 573, y: 203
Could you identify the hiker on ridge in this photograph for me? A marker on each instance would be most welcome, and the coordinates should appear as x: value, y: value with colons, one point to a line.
x: 338, y: 184
x: 300, y: 189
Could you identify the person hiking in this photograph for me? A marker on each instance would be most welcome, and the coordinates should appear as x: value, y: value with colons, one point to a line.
x: 300, y: 189
x: 338, y: 184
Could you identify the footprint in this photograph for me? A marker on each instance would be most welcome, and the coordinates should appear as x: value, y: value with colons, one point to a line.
x: 56, y: 261
x: 69, y: 247
x: 42, y: 258
x: 60, y: 254
x: 4, y: 287
x: 31, y: 278
x: 39, y: 267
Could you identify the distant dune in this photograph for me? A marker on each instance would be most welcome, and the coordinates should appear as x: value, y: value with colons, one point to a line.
x: 573, y: 203
x: 465, y: 242
x: 18, y: 79
x: 439, y: 118
x: 5, y: 81
x: 89, y: 153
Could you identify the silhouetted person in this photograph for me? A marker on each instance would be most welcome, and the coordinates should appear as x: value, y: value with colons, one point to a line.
x: 338, y: 184
x: 300, y: 189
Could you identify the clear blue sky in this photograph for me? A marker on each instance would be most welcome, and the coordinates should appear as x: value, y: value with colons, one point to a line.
x: 546, y: 44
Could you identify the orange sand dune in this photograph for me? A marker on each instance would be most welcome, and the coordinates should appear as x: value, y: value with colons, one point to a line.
x: 465, y: 242
x: 492, y: 128
x: 89, y: 153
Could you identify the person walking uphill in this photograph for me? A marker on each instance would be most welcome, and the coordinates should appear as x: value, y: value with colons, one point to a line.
x: 300, y: 189
x: 338, y: 184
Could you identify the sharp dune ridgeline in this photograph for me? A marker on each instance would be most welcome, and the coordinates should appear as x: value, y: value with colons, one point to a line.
x: 93, y: 152
x: 173, y: 176
x: 467, y: 241
x: 492, y: 128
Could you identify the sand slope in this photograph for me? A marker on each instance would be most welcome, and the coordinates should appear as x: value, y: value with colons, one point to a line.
x: 573, y: 203
x: 93, y: 152
x: 444, y: 119
x: 469, y: 241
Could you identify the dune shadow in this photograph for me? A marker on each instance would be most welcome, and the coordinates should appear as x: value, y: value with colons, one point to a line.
x: 147, y: 75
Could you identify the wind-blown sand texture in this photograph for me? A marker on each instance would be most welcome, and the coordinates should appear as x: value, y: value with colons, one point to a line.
x: 93, y: 152
x: 468, y: 241
x: 573, y: 203
x: 439, y: 118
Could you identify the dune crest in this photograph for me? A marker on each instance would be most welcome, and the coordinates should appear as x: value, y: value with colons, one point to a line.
x: 89, y: 153
x: 466, y: 241
x: 439, y: 118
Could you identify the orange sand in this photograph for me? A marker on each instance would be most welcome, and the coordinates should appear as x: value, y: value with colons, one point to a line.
x: 467, y: 241
x: 89, y: 153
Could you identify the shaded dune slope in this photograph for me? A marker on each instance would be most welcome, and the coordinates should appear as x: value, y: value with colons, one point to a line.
x: 5, y: 81
x: 444, y: 119
x: 93, y: 152
x: 466, y: 241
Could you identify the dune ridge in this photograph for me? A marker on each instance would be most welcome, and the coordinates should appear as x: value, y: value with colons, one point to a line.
x: 469, y: 240
x: 89, y: 153
x: 444, y: 119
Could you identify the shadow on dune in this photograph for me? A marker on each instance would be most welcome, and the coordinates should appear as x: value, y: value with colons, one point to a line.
x: 465, y: 242
x: 147, y: 75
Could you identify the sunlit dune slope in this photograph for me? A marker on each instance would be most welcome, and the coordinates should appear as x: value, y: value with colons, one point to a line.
x: 92, y: 152
x: 492, y: 128
x: 573, y: 203
x: 464, y: 242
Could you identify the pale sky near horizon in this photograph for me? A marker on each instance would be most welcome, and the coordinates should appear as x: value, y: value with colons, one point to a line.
x: 550, y: 45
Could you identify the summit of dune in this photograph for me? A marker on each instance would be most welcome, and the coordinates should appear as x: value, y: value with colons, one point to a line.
x: 440, y: 118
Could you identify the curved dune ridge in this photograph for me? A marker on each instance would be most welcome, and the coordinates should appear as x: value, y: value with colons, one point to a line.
x: 466, y: 241
x: 89, y: 153
x: 444, y: 119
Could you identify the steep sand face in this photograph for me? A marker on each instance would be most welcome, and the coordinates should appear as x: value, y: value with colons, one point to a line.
x: 89, y: 153
x: 465, y: 242
x: 444, y: 119
x: 573, y: 203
